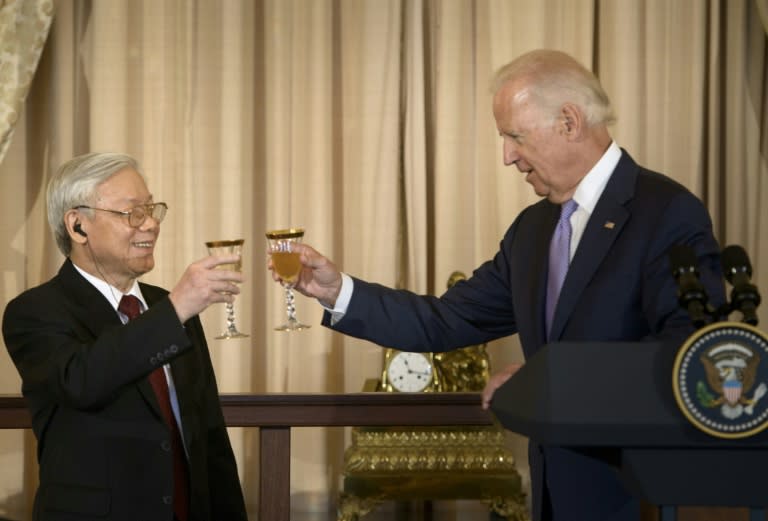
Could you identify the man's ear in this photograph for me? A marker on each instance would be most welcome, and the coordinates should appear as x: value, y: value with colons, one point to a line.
x: 572, y: 123
x: 74, y: 224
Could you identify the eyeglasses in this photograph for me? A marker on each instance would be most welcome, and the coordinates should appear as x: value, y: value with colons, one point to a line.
x: 138, y: 214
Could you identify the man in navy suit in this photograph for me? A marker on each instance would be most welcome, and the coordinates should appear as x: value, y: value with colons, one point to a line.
x: 117, y: 373
x: 552, y: 115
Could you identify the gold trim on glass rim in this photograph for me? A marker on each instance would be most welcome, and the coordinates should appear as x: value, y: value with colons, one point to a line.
x: 224, y: 244
x: 288, y: 233
x: 695, y: 337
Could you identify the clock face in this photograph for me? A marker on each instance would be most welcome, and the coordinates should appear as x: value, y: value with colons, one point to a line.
x: 409, y: 372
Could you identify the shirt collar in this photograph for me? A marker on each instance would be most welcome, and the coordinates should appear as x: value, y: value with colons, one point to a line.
x: 591, y: 187
x: 111, y: 293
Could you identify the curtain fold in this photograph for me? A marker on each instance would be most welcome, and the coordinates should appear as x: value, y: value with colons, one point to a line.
x: 24, y: 26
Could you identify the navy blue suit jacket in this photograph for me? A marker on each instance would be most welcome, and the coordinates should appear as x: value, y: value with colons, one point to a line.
x: 103, y: 446
x: 619, y: 287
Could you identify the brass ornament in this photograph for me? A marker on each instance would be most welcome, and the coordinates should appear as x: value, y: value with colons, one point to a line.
x: 455, y: 449
x: 463, y: 370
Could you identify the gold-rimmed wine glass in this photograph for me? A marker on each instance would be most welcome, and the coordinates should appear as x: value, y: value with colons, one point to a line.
x: 287, y: 265
x: 228, y: 247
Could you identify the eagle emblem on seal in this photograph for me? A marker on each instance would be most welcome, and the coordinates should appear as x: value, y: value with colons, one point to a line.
x: 731, y: 373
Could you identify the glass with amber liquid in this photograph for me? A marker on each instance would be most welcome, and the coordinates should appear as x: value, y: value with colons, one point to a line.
x: 227, y: 248
x: 287, y: 265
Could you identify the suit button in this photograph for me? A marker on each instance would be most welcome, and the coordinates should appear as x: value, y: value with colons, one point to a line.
x: 166, y: 446
x: 174, y: 348
x: 167, y: 500
x: 153, y: 361
x: 160, y: 357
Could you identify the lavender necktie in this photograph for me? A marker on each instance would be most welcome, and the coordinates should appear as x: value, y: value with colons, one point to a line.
x: 559, y: 259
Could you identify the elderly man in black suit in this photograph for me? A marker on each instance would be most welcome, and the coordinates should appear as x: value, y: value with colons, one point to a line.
x: 117, y: 373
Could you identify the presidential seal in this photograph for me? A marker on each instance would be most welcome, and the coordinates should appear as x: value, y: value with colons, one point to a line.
x: 720, y: 379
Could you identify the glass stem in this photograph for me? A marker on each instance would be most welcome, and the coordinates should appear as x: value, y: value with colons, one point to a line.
x: 231, y: 318
x: 290, y: 308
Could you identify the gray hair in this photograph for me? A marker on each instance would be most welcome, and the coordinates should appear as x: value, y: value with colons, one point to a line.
x: 76, y: 183
x: 554, y: 78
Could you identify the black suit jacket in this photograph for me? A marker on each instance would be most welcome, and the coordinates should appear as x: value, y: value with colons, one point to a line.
x: 619, y: 287
x: 103, y: 447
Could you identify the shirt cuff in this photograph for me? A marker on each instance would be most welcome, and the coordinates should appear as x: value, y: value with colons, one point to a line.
x: 342, y: 301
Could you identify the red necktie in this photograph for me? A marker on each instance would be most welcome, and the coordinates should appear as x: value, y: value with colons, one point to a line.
x: 130, y: 306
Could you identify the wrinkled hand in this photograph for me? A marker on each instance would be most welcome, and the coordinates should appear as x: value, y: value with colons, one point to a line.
x: 319, y: 277
x: 202, y: 285
x: 496, y: 380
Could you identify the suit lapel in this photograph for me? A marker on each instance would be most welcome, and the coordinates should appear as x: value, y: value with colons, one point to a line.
x: 88, y: 304
x: 95, y: 313
x: 604, y: 226
x: 536, y: 255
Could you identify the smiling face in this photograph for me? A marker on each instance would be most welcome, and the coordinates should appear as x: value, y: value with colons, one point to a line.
x: 113, y: 250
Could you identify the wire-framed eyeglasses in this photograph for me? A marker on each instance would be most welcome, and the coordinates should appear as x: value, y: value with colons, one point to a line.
x: 136, y: 215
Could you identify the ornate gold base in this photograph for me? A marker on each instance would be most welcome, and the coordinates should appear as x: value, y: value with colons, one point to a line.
x: 437, y: 463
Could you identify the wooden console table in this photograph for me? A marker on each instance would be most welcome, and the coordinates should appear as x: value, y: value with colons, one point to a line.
x: 275, y: 415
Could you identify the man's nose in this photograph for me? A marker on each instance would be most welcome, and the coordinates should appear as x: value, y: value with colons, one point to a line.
x: 150, y: 223
x: 510, y: 152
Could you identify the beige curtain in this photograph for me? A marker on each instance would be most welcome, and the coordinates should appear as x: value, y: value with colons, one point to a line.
x: 24, y: 26
x: 369, y: 123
